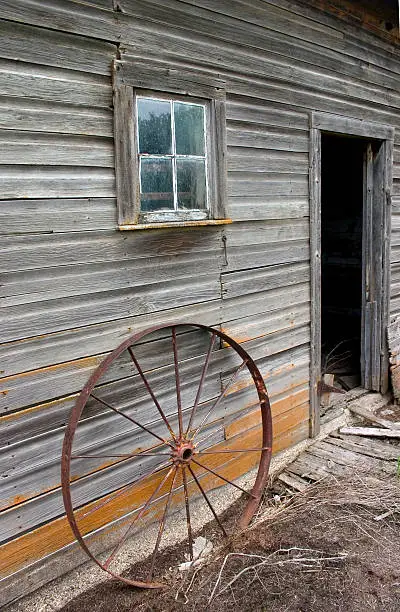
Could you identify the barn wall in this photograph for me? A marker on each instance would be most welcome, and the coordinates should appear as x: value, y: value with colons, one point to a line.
x: 72, y: 287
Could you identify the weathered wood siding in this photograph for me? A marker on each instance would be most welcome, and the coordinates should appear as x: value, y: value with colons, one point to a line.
x: 72, y: 287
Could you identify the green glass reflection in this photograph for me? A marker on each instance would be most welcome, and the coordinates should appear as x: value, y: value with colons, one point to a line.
x: 156, y: 184
x: 154, y: 120
x: 189, y: 129
x: 191, y: 183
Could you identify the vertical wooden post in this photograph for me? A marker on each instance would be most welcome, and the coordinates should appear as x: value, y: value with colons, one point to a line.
x: 376, y: 265
x: 315, y: 244
x: 387, y: 216
x: 367, y: 307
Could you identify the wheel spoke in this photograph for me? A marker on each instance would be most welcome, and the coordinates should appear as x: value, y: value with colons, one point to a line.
x: 168, y: 456
x: 206, y: 438
x: 234, y: 450
x: 131, y: 420
x: 219, y: 398
x: 143, y: 454
x: 150, y: 391
x: 189, y: 525
x: 244, y: 450
x: 202, y: 378
x: 177, y: 382
x: 207, y: 501
x: 123, y: 490
x: 137, y: 518
x: 162, y: 526
x: 222, y: 478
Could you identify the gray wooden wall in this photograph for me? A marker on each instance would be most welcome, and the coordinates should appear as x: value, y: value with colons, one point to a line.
x: 73, y: 287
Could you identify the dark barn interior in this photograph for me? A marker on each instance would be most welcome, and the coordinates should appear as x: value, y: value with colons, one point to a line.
x: 341, y: 256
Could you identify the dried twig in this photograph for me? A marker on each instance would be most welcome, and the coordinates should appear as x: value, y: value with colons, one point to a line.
x: 359, y: 500
x: 186, y: 591
x: 305, y: 559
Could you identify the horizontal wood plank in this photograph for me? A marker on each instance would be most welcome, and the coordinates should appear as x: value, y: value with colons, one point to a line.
x: 48, y: 383
x: 253, y: 185
x: 266, y: 207
x: 265, y: 301
x: 242, y: 159
x: 50, y: 84
x: 54, y: 117
x: 23, y: 321
x: 284, y: 436
x: 248, y: 328
x: 282, y: 140
x: 42, y: 351
x: 66, y: 16
x: 38, y: 149
x: 84, y: 279
x: 56, y: 182
x: 70, y: 248
x: 42, y: 418
x: 263, y: 279
x: 42, y: 46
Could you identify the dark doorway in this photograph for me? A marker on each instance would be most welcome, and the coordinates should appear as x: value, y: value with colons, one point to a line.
x: 342, y: 196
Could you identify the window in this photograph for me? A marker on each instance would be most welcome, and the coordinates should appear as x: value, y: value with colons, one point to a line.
x: 172, y: 156
x: 170, y: 149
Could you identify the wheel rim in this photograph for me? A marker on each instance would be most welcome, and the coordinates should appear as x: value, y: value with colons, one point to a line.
x: 179, y: 452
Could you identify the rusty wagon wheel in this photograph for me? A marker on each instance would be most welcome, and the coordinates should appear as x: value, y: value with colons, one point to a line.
x: 143, y: 438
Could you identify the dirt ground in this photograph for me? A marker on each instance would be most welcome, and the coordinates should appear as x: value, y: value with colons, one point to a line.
x: 322, y: 550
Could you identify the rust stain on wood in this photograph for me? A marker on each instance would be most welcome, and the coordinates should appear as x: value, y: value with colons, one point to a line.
x: 85, y: 363
x: 21, y: 414
x: 173, y: 224
x: 17, y: 499
x: 289, y: 416
x: 51, y: 537
x: 295, y: 399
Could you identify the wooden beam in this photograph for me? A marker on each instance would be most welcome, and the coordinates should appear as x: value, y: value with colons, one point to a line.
x: 315, y: 256
x: 371, y: 431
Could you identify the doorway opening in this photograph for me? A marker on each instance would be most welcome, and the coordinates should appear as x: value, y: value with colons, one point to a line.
x: 342, y: 203
x: 351, y: 165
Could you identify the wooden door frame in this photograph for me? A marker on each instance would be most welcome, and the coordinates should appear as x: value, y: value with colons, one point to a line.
x: 344, y: 126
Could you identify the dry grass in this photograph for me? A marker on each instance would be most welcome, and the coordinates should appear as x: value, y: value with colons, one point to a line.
x: 334, y: 547
x: 380, y: 496
x: 358, y: 503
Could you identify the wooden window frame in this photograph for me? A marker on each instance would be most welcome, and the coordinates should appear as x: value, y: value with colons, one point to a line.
x: 376, y: 213
x: 134, y: 78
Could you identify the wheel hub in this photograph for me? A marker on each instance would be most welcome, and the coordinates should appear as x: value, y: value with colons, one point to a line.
x: 183, y: 452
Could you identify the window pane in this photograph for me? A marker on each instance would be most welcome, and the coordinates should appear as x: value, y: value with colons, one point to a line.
x: 154, y: 117
x: 189, y: 129
x: 156, y: 184
x: 191, y: 183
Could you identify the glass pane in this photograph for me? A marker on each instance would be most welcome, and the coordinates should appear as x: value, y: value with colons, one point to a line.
x: 157, y: 191
x: 154, y: 117
x: 191, y: 183
x: 189, y: 129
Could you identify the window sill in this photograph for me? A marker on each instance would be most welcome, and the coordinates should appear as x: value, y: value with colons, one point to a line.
x: 169, y: 224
